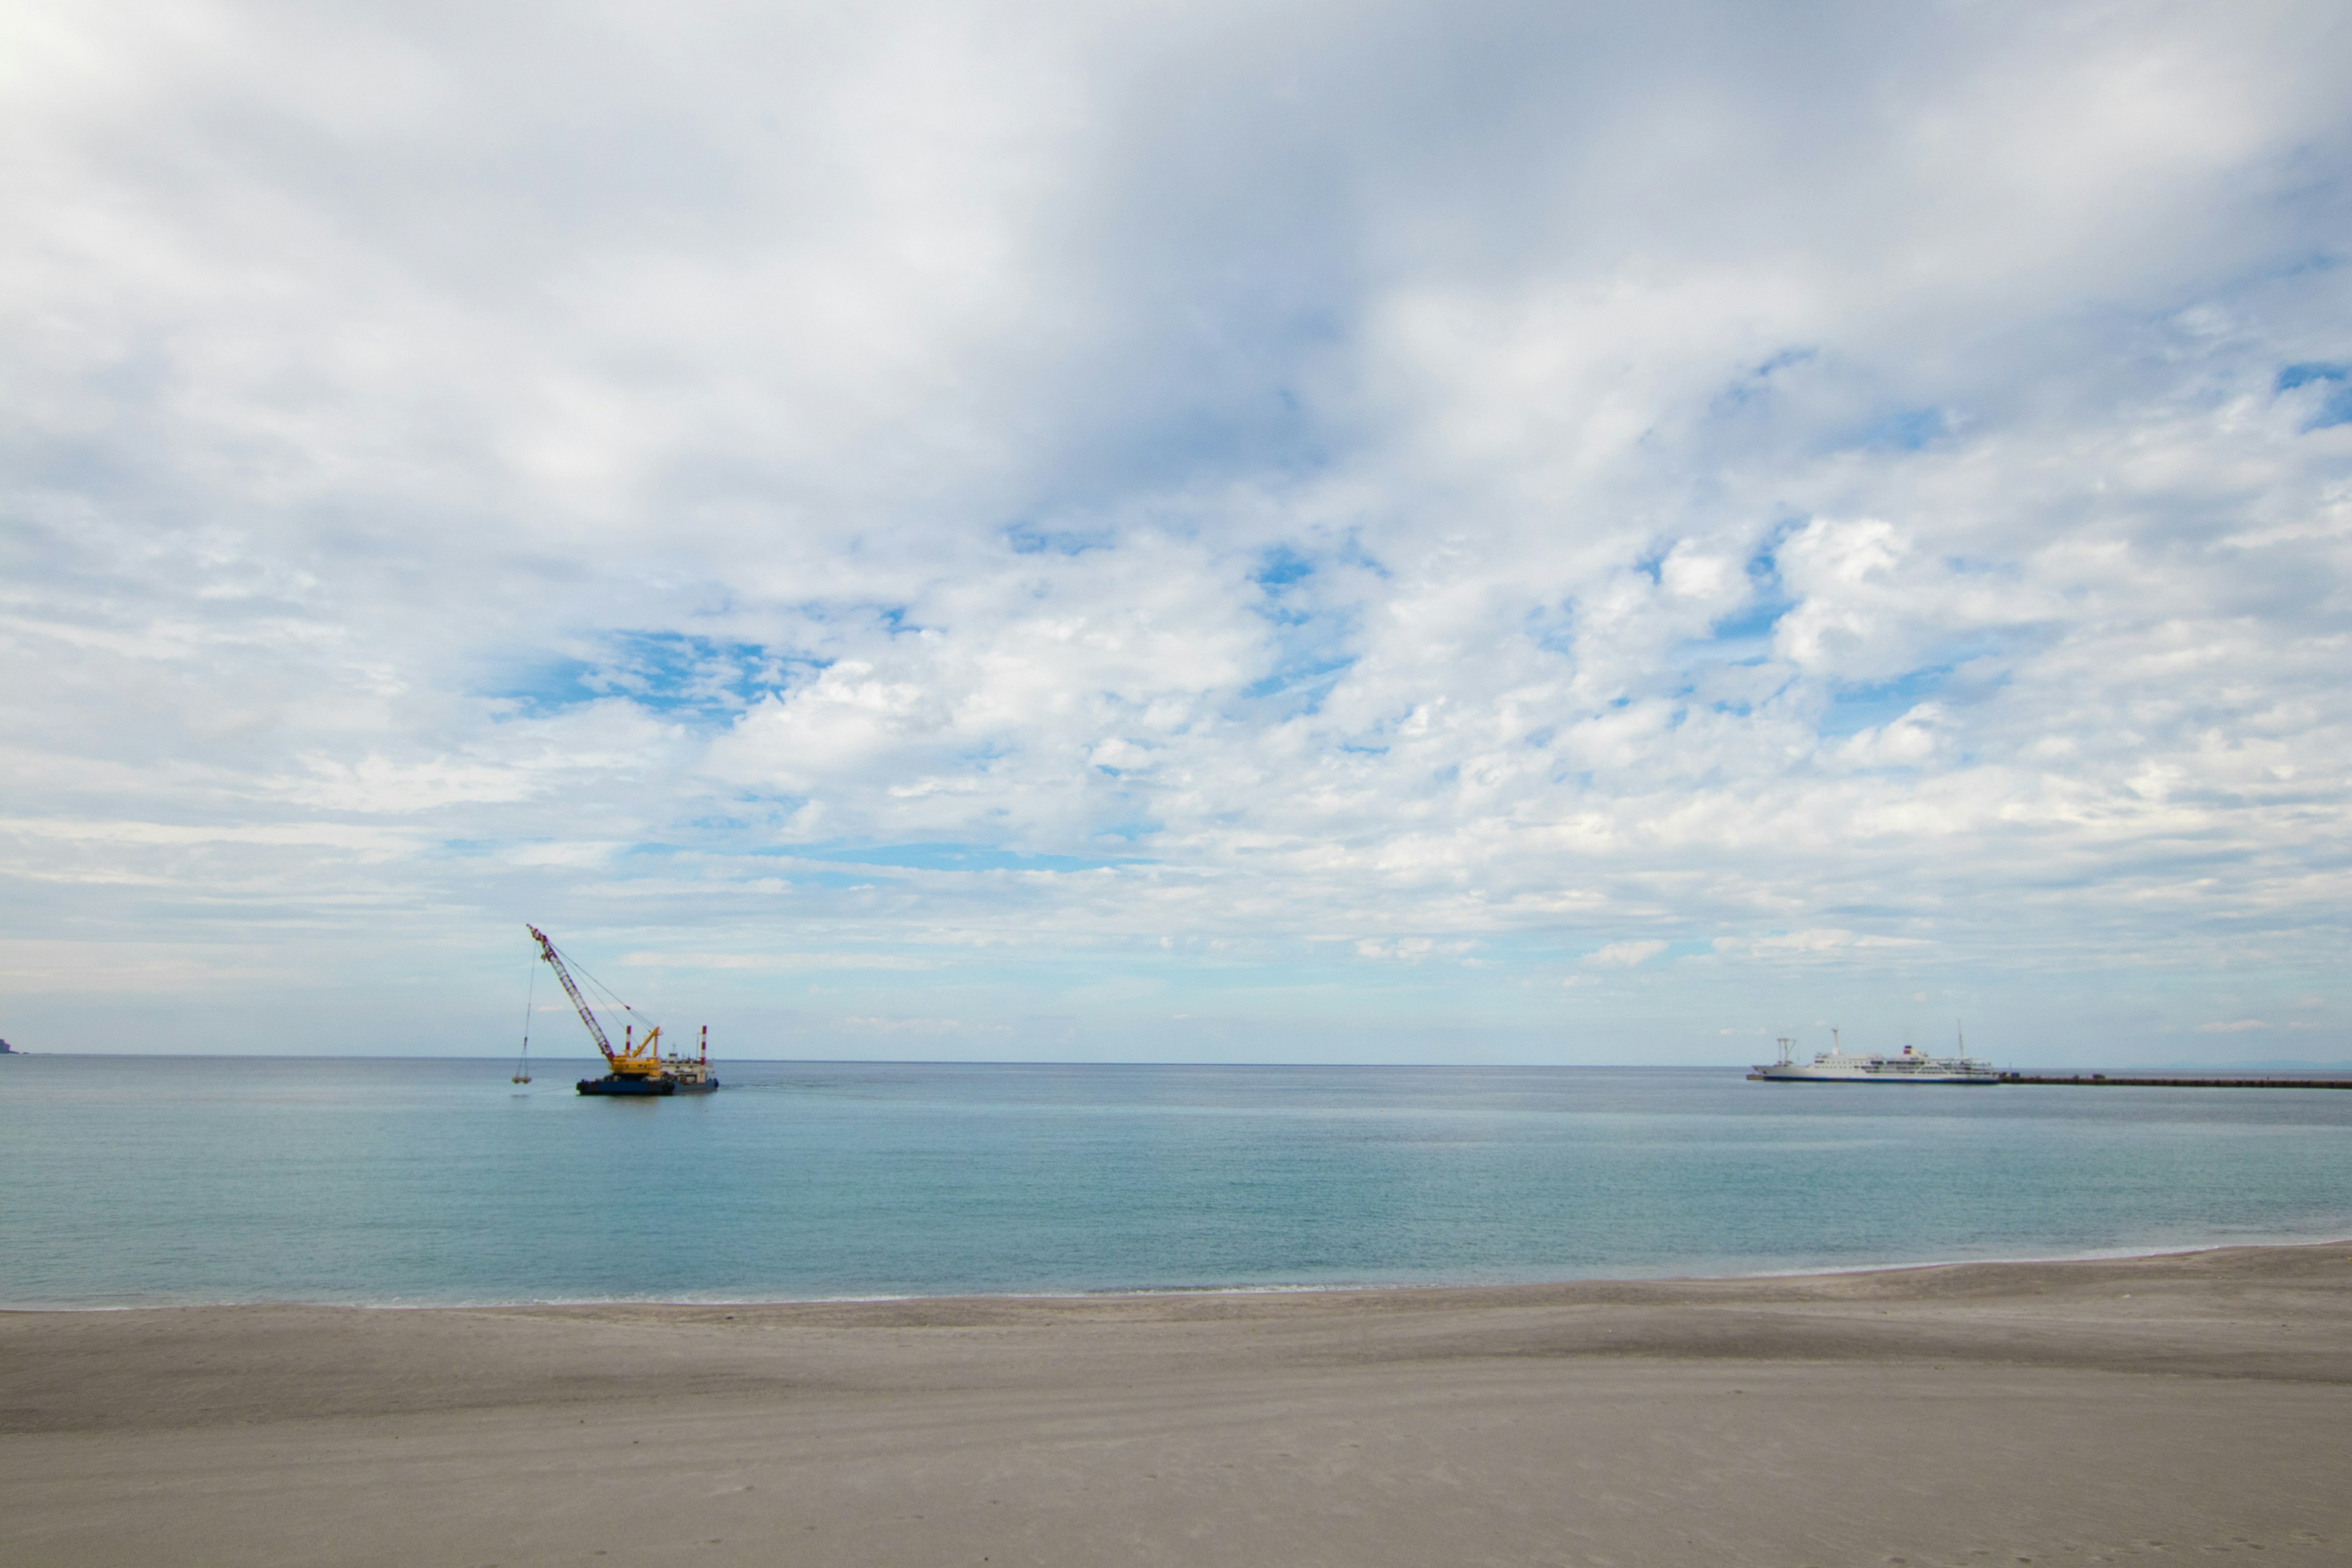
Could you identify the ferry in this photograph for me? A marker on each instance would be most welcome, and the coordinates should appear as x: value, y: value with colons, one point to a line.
x: 1837, y: 1065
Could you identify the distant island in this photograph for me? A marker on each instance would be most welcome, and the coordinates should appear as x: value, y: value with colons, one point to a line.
x: 6, y: 1049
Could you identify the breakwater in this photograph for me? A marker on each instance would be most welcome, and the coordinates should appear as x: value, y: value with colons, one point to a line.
x: 2101, y: 1080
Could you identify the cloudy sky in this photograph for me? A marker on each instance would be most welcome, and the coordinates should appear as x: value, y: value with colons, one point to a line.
x: 1286, y: 531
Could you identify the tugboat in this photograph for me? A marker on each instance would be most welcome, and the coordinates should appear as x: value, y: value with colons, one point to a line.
x: 638, y: 1066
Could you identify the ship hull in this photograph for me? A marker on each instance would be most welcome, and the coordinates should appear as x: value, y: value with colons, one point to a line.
x: 647, y: 1087
x: 628, y: 1088
x: 1809, y: 1075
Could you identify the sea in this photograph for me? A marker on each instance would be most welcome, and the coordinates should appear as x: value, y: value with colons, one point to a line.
x: 129, y: 1181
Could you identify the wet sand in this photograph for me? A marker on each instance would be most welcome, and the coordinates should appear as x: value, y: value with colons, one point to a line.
x: 2145, y: 1410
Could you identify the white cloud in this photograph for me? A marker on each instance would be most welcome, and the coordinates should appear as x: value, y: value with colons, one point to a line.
x: 1625, y: 954
x: 1175, y: 483
x: 1818, y: 942
x: 1411, y: 948
x: 772, y: 961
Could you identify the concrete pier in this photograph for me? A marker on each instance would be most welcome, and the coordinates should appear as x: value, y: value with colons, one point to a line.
x: 2102, y: 1080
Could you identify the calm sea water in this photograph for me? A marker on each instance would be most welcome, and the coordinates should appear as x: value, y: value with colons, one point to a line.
x: 128, y: 1180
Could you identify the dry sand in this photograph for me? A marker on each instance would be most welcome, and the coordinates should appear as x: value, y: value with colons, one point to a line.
x: 2138, y: 1410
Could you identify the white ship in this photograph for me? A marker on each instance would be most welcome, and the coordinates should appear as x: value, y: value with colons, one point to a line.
x: 1907, y: 1066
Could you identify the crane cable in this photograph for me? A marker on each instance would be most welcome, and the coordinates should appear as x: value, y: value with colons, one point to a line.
x: 530, y: 998
x: 610, y: 994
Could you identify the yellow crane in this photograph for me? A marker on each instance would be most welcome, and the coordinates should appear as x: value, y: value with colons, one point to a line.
x: 638, y: 1066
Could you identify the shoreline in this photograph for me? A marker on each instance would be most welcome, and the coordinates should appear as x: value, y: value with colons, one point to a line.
x: 2126, y: 1253
x: 2089, y: 1410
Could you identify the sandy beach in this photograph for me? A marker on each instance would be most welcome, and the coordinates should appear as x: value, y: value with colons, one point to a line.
x: 2133, y: 1410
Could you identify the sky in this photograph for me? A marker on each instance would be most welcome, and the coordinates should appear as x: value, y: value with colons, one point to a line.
x: 1285, y: 531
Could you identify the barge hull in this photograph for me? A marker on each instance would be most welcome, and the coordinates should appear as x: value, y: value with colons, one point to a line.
x: 628, y: 1087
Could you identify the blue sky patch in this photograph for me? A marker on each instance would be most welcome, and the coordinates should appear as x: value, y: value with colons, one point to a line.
x: 1029, y: 539
x: 839, y: 882
x: 1853, y: 709
x: 1552, y: 627
x: 2336, y: 408
x: 1309, y: 679
x: 1763, y: 566
x: 1310, y: 640
x: 1279, y: 567
x: 1758, y: 382
x: 1353, y: 553
x: 672, y: 673
x: 1903, y: 430
x: 1756, y: 622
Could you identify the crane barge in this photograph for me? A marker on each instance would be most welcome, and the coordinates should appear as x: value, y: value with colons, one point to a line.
x: 638, y: 1066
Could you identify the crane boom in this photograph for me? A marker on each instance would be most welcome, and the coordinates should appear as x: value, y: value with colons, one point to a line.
x: 587, y: 1014
x: 638, y: 1068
